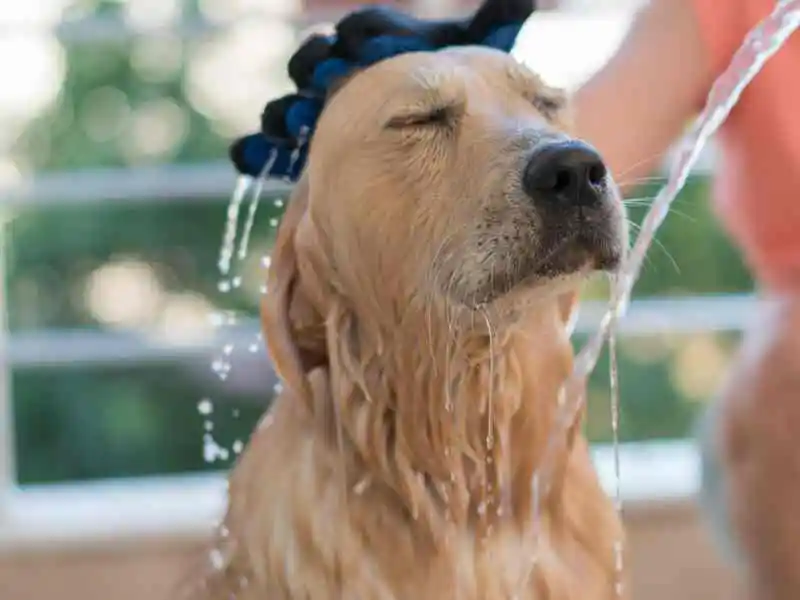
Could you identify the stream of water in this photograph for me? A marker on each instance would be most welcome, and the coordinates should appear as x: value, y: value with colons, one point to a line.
x: 761, y: 43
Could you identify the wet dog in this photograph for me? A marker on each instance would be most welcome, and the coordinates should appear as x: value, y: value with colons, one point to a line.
x: 420, y: 286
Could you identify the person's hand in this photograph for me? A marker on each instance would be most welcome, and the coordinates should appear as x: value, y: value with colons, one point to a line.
x: 638, y: 104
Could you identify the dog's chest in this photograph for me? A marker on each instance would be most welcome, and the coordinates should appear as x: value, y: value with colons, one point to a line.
x: 502, y: 567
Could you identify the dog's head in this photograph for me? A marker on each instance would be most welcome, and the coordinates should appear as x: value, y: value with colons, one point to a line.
x: 458, y: 165
x: 441, y: 178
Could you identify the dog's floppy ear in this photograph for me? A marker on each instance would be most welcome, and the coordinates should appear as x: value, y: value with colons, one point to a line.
x: 292, y: 321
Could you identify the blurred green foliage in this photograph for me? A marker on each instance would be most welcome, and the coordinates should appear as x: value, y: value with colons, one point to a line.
x: 84, y: 422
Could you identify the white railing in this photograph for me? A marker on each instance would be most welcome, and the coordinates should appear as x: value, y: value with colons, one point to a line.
x: 186, y: 506
x: 46, y: 516
x: 53, y: 517
x: 645, y: 317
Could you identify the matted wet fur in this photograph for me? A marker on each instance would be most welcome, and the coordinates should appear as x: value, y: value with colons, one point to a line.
x: 416, y: 313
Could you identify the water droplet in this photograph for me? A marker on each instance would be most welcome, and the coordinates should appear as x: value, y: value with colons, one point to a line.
x: 253, y: 347
x: 266, y: 261
x: 216, y: 559
x: 618, y: 553
x: 221, y: 367
x: 263, y: 289
x: 237, y: 447
x: 278, y: 388
x: 273, y: 222
x: 278, y: 203
x: 205, y: 406
x: 224, y: 286
x: 231, y: 224
x: 227, y: 349
x: 222, y: 318
x: 208, y: 425
x: 212, y: 451
x: 360, y: 487
x: 618, y: 567
x: 237, y: 281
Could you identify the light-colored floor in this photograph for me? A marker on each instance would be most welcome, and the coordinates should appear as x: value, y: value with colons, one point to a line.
x: 669, y: 556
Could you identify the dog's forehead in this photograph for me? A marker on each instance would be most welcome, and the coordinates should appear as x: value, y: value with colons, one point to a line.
x: 423, y: 71
x: 421, y: 80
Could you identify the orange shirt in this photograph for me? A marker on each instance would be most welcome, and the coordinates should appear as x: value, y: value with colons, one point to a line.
x: 757, y: 186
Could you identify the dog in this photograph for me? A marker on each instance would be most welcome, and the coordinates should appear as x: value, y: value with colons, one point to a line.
x: 422, y: 280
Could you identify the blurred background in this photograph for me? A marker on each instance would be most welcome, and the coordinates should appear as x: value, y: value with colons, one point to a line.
x: 124, y: 355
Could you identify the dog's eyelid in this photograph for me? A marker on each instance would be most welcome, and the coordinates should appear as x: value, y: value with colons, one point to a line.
x: 549, y: 100
x: 549, y: 104
x: 427, y: 115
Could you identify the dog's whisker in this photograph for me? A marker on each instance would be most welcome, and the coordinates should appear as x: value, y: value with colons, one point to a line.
x: 640, y: 181
x: 659, y: 244
x: 619, y: 177
x: 639, y: 201
x: 646, y: 200
x: 647, y: 179
x: 544, y: 259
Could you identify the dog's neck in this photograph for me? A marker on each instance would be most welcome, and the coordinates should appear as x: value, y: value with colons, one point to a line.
x: 453, y: 417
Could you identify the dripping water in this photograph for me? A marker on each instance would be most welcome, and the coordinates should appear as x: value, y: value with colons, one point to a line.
x: 761, y: 43
x: 231, y: 227
x: 255, y: 198
x: 613, y: 376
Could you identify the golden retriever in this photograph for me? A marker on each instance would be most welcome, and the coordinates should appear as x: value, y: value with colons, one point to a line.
x: 422, y: 276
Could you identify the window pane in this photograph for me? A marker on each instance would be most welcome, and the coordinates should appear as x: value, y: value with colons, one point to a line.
x: 85, y: 422
x: 664, y: 383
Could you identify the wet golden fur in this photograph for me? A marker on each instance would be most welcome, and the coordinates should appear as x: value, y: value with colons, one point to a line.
x: 418, y: 399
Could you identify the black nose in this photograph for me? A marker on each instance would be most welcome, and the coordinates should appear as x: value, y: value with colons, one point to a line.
x: 565, y: 171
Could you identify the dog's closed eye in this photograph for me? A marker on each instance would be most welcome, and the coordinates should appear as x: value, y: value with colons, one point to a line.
x: 549, y: 105
x: 426, y: 117
x: 548, y: 101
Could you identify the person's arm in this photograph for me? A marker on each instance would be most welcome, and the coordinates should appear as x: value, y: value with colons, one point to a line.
x: 640, y: 101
